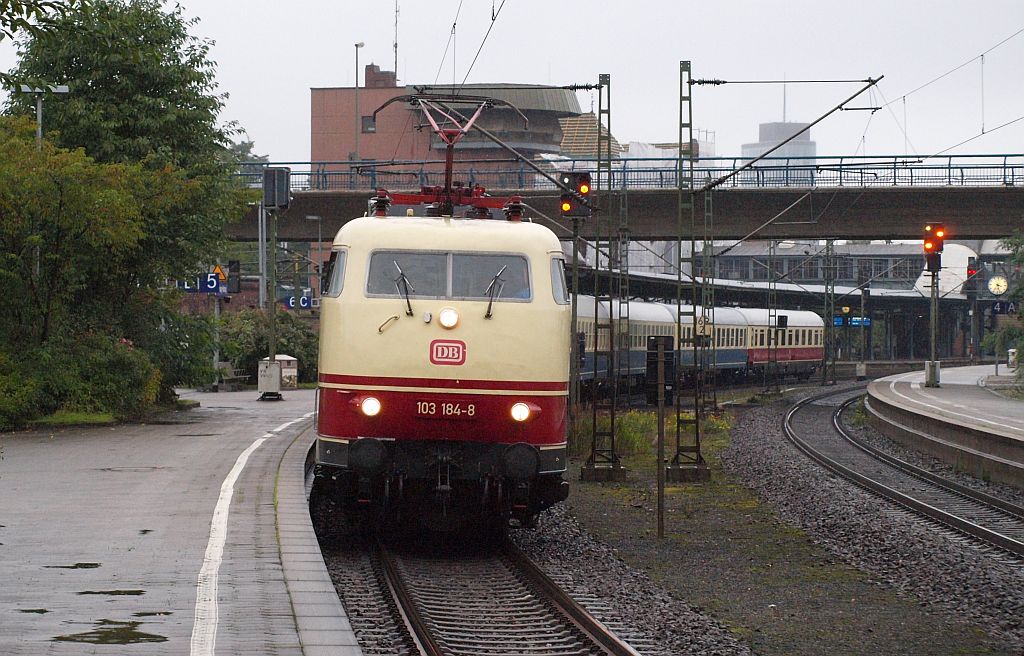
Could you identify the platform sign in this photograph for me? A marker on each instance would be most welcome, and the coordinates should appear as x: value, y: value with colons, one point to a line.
x: 1004, y: 307
x: 207, y: 284
x: 860, y: 321
x: 302, y: 303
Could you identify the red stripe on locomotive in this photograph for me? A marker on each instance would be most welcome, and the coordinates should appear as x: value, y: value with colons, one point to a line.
x: 400, y: 419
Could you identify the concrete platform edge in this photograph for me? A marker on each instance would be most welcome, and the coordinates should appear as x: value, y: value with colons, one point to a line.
x: 979, y: 464
x: 309, y: 587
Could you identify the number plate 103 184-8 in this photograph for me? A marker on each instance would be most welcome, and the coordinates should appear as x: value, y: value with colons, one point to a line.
x: 445, y: 410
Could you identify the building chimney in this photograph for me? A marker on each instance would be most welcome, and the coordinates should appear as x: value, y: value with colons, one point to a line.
x: 374, y: 78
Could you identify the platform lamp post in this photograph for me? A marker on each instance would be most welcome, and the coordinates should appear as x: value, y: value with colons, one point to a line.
x: 319, y: 246
x: 359, y: 118
x: 39, y: 93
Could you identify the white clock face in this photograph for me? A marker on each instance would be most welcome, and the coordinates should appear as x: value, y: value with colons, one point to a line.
x: 997, y: 285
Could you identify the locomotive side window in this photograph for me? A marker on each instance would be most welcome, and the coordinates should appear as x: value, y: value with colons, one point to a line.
x: 558, y: 287
x: 334, y: 278
x: 426, y: 274
x: 479, y: 276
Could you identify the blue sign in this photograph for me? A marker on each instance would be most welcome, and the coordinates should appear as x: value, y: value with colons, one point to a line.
x: 1004, y: 307
x: 208, y: 284
x: 303, y: 303
x: 851, y: 321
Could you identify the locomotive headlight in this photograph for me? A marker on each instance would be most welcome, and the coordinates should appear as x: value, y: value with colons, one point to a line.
x: 448, y: 317
x: 520, y: 412
x: 370, y: 406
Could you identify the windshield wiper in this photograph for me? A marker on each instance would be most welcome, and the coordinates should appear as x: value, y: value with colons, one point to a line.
x: 403, y: 286
x: 494, y: 289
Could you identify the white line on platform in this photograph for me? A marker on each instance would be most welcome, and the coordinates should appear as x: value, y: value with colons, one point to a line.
x: 204, y: 630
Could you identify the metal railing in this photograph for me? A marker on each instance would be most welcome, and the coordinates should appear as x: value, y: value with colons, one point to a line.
x: 661, y: 173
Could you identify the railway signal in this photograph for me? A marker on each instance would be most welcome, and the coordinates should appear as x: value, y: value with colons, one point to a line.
x: 574, y: 203
x: 971, y: 283
x: 933, y: 238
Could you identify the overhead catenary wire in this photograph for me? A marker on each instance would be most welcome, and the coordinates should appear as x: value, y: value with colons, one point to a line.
x: 957, y: 68
x: 494, y: 18
x: 451, y: 36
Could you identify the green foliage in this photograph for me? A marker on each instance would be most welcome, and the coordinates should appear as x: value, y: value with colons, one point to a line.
x: 16, y: 394
x: 636, y: 431
x: 143, y: 91
x: 142, y: 88
x: 35, y: 18
x: 66, y: 221
x: 149, y: 205
x: 243, y: 338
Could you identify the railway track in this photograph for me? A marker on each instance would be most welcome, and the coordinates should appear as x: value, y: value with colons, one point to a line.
x: 495, y: 602
x: 814, y: 425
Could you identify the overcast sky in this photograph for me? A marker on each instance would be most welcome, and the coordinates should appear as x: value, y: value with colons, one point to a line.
x: 270, y: 53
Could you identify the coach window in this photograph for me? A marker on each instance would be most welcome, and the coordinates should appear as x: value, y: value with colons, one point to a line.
x: 334, y: 277
x: 558, y: 287
x: 391, y: 272
x: 478, y: 276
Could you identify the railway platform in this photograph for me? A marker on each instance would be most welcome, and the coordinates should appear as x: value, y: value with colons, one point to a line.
x: 966, y: 421
x: 185, y: 535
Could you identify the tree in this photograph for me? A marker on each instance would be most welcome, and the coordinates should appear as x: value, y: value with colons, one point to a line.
x: 34, y: 17
x: 143, y: 94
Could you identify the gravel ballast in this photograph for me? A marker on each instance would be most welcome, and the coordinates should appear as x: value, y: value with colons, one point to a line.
x: 937, y: 568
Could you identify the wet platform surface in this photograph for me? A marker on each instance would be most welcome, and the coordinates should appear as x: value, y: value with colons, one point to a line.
x: 963, y: 397
x: 104, y: 533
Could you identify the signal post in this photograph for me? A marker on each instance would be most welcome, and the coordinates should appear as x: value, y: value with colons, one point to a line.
x: 933, y: 239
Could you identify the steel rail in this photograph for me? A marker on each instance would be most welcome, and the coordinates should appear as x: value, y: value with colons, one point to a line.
x: 422, y: 625
x: 580, y: 616
x: 406, y: 604
x: 924, y: 474
x: 926, y: 510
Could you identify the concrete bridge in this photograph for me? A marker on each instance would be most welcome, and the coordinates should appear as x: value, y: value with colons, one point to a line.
x: 977, y: 197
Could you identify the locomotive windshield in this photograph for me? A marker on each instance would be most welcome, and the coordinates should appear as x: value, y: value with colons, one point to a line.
x: 450, y: 275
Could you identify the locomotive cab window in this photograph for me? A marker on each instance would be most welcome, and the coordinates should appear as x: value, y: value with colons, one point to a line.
x: 472, y: 276
x: 480, y: 277
x: 558, y: 287
x: 334, y: 277
x: 422, y: 274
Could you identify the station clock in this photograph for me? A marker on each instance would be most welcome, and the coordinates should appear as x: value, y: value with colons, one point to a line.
x: 997, y: 285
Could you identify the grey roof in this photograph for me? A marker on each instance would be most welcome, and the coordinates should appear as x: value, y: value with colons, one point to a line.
x: 562, y: 102
x: 797, y: 249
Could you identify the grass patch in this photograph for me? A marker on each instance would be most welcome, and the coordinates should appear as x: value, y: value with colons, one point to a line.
x: 74, y: 419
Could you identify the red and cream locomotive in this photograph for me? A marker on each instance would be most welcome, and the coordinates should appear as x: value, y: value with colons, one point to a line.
x: 444, y: 362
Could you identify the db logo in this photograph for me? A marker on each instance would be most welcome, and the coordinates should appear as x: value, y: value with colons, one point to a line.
x: 447, y: 351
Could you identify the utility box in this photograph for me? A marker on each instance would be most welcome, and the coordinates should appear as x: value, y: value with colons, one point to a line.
x: 269, y: 378
x: 289, y: 367
x: 932, y: 371
x: 1011, y: 359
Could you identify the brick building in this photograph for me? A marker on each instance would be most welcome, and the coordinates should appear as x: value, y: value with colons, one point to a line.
x: 396, y: 134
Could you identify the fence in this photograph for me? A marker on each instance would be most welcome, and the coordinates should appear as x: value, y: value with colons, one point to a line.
x: 662, y: 173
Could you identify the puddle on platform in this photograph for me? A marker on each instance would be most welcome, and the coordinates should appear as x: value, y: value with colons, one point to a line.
x: 111, y: 632
x: 75, y: 566
x: 142, y: 470
x: 197, y: 434
x: 145, y: 531
x: 153, y: 613
x: 37, y: 611
x: 113, y: 593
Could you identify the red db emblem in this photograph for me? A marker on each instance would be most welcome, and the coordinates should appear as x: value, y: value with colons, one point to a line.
x: 447, y: 351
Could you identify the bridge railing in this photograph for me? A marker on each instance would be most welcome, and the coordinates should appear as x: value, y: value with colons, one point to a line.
x: 662, y: 173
